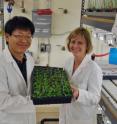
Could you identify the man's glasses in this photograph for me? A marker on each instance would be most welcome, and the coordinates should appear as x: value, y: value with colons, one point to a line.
x: 20, y: 37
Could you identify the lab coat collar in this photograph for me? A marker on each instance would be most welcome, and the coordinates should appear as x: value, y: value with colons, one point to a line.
x: 8, y: 55
x: 86, y: 60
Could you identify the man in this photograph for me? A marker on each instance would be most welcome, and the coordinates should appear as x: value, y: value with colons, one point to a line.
x: 15, y: 72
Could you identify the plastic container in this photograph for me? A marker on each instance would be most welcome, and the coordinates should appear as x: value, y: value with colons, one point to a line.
x: 50, y: 85
x: 113, y: 56
x: 44, y: 12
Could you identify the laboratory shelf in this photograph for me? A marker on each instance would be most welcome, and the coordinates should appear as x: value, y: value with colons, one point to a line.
x: 102, y: 19
x: 111, y: 89
x: 115, y: 82
x: 109, y: 70
x: 101, y: 23
x: 108, y: 15
x: 109, y: 100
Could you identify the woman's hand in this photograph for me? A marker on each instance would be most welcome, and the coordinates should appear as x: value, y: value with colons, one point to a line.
x: 75, y: 91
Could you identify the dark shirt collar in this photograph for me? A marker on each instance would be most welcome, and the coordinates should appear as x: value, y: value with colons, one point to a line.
x: 18, y: 61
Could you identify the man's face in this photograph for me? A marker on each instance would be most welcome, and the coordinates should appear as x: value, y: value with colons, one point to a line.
x: 19, y: 41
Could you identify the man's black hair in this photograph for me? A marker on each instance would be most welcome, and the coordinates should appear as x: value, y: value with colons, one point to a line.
x: 19, y: 22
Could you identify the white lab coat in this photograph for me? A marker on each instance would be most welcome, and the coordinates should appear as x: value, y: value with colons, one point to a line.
x: 88, y: 79
x: 15, y: 104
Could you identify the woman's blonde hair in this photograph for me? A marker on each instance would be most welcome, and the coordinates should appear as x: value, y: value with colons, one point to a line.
x: 83, y: 32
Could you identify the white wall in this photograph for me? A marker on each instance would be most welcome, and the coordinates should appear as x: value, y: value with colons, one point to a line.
x: 61, y: 23
x: 66, y: 22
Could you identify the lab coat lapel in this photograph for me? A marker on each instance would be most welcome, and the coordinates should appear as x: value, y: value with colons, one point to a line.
x: 29, y: 70
x: 86, y: 59
x: 70, y: 67
x: 10, y: 59
x: 18, y: 70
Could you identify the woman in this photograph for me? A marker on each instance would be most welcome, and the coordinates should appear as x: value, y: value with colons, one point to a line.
x: 85, y: 78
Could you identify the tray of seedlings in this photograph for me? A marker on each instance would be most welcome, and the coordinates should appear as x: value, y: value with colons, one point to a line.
x: 50, y: 85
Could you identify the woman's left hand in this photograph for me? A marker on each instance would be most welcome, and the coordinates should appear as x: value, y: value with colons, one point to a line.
x: 75, y: 91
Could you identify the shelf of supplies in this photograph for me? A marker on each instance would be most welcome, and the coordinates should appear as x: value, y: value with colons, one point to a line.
x: 102, y: 23
x: 108, y: 15
x: 109, y: 108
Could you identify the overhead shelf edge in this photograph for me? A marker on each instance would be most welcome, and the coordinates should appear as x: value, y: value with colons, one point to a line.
x: 102, y: 14
x: 102, y: 23
x: 109, y: 108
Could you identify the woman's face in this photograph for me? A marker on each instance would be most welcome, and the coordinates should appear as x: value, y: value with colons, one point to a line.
x: 78, y: 46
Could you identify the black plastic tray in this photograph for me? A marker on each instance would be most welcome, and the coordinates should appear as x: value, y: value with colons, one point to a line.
x: 50, y: 78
